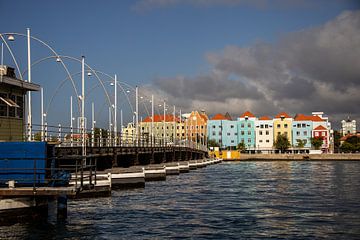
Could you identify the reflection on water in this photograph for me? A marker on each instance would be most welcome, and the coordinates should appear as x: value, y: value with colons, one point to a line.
x: 303, y: 200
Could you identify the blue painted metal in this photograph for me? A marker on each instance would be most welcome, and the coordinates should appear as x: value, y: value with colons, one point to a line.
x: 24, y: 162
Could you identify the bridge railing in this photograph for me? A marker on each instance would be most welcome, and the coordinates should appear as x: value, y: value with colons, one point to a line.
x: 70, y: 136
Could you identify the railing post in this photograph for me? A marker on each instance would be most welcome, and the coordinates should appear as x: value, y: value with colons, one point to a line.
x: 46, y: 132
x: 59, y: 133
x: 92, y: 137
x: 100, y: 136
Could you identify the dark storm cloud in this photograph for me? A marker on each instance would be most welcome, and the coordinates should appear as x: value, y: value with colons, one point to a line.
x: 316, y: 69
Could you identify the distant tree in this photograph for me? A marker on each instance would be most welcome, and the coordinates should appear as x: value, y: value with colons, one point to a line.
x: 301, y: 143
x: 316, y: 142
x: 213, y: 143
x: 353, y: 140
x: 282, y: 142
x: 337, y: 137
x: 347, y: 147
x: 241, y: 147
x: 37, y: 136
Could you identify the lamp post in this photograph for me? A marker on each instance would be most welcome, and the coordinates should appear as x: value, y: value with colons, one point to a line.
x: 42, y: 113
x: 29, y: 116
x: 174, y: 126
x: 164, y: 124
x: 115, y: 111
x: 152, y: 120
x: 83, y: 105
x: 137, y: 115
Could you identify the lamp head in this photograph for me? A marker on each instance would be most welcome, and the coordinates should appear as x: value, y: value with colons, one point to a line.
x: 11, y: 38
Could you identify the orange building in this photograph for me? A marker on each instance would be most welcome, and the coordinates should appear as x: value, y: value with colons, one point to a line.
x: 196, y: 126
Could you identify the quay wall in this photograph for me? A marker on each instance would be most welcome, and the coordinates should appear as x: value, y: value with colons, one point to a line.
x: 296, y: 157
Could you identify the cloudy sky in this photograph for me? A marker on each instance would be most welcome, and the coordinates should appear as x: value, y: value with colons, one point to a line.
x: 222, y: 56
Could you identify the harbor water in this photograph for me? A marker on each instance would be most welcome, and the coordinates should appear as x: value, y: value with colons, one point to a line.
x: 240, y: 200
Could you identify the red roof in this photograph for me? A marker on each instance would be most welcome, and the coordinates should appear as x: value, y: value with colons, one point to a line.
x: 219, y: 116
x: 247, y: 114
x: 282, y: 114
x: 302, y: 117
x: 160, y: 118
x: 344, y: 138
x: 320, y: 128
x: 264, y: 118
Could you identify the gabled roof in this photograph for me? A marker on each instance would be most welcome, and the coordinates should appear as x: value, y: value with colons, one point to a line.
x: 228, y: 116
x: 219, y: 116
x: 320, y: 128
x: 247, y: 114
x: 282, y: 114
x: 160, y: 118
x: 302, y: 117
x: 264, y: 118
x: 204, y: 116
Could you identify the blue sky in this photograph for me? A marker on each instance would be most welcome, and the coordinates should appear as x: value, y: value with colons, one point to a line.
x: 142, y: 41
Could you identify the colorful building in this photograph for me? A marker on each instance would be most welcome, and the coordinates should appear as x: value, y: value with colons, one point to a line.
x: 302, y: 130
x: 224, y: 131
x: 246, y: 130
x: 282, y: 125
x: 321, y: 131
x: 264, y: 134
x: 196, y: 126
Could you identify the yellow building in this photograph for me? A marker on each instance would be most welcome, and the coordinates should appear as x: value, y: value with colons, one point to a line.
x: 12, y: 104
x: 282, y: 125
x: 173, y: 128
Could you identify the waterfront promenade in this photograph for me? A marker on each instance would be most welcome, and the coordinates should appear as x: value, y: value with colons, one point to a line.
x: 296, y: 157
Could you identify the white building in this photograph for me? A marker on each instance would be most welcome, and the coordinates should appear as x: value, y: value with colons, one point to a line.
x: 264, y: 134
x: 348, y: 127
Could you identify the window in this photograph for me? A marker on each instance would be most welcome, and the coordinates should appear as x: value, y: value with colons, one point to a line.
x: 249, y: 125
x: 285, y: 125
x: 323, y: 134
x: 231, y: 126
x: 316, y: 134
x: 242, y: 125
x: 242, y: 132
x: 260, y: 140
x: 249, y: 140
x: 260, y: 132
x: 213, y: 133
x: 3, y: 105
x: 261, y: 125
x: 232, y: 141
x: 266, y: 125
x: 249, y: 132
x: 298, y: 133
x: 267, y: 132
x: 298, y: 125
x: 305, y: 133
x: 285, y: 133
x: 213, y: 126
x: 278, y: 126
x: 242, y: 140
x: 219, y: 133
x: 228, y: 134
x: 235, y: 134
x: 303, y: 125
x: 267, y: 140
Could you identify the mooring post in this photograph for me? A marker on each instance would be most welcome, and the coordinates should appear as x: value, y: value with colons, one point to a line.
x: 62, y: 207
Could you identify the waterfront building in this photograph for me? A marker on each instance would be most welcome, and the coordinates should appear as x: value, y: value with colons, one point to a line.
x: 264, y: 134
x: 348, y: 127
x: 246, y: 130
x: 12, y: 104
x: 171, y: 125
x: 224, y: 131
x: 196, y: 126
x: 128, y: 133
x: 323, y: 132
x: 320, y: 120
x: 302, y: 130
x: 282, y: 125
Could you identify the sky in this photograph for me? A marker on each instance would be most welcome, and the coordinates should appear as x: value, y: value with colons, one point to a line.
x: 264, y: 56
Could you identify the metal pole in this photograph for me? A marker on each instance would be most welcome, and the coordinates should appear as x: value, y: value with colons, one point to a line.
x: 92, y: 124
x: 121, y: 123
x: 164, y: 124
x: 29, y: 80
x: 137, y: 115
x: 42, y: 113
x: 115, y: 111
x: 71, y: 123
x: 152, y: 120
x: 109, y: 133
x: 83, y: 104
x: 180, y: 128
x: 174, y: 126
x: 2, y: 59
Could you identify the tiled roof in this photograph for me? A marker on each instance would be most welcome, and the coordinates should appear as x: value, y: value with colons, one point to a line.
x: 320, y: 128
x: 247, y: 114
x: 282, y: 114
x: 302, y: 117
x: 264, y: 118
x: 344, y: 138
x: 219, y: 116
x: 204, y: 116
x: 160, y: 118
